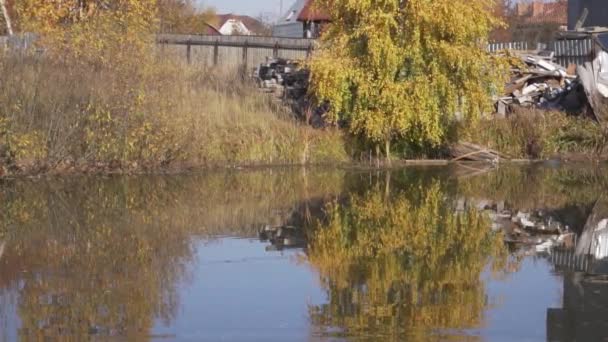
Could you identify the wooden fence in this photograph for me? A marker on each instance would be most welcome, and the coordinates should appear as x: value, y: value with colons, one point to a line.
x: 565, y: 51
x: 232, y: 51
x: 250, y: 51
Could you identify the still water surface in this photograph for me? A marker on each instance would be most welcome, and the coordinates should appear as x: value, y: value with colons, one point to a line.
x: 303, y: 255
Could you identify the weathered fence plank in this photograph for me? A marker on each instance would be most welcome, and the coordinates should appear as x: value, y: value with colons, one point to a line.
x: 234, y: 51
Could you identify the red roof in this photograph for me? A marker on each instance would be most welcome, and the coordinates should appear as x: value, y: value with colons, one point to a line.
x: 209, y: 30
x: 312, y: 12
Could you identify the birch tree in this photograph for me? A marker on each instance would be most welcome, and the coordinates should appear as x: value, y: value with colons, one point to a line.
x: 405, y: 70
x: 7, y: 17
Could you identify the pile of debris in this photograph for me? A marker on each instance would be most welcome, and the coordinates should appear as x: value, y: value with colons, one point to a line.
x: 578, y: 89
x: 540, y: 83
x: 288, y: 80
x: 282, y: 237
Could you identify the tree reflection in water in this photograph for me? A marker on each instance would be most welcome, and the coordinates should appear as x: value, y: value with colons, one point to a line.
x: 91, y: 257
x: 396, y: 266
x: 90, y: 263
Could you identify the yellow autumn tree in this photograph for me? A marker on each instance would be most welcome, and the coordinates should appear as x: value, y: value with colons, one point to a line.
x: 405, y: 70
x: 93, y: 31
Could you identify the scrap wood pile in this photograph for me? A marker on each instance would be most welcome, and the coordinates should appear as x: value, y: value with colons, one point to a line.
x: 471, y: 152
x: 288, y: 80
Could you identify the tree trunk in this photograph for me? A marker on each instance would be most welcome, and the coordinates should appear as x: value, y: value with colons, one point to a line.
x: 7, y: 18
x: 2, y: 244
x: 387, y: 150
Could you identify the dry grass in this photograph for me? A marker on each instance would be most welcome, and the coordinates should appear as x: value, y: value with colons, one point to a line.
x: 537, y: 134
x: 58, y: 114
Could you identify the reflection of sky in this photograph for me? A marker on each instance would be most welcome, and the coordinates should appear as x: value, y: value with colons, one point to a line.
x: 240, y: 292
x: 522, y: 300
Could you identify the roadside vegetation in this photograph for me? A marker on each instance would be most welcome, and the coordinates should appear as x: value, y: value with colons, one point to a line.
x: 403, y: 80
x: 404, y: 72
x: 101, y: 98
x: 412, y: 77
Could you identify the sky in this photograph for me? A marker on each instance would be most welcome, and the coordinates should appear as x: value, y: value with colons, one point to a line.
x: 248, y: 7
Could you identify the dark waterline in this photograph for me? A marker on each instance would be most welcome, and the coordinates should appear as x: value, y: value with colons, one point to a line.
x: 298, y: 255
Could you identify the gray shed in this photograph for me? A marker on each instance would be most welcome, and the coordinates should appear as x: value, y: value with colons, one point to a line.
x: 288, y: 25
x: 598, y: 12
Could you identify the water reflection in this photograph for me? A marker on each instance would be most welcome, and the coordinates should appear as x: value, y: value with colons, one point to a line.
x: 396, y: 264
x: 102, y: 257
x: 410, y: 253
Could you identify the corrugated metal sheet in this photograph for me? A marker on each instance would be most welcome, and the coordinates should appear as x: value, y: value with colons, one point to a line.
x: 572, y: 51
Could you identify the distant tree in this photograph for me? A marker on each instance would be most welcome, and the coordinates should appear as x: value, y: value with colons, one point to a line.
x: 183, y: 17
x: 99, y: 32
x: 505, y: 11
x: 267, y: 19
x: 406, y: 71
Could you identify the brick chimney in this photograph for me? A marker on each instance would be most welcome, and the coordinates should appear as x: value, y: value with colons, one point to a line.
x: 538, y: 8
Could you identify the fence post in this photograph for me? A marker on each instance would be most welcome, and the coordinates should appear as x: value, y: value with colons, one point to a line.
x: 275, y: 50
x: 188, y: 51
x: 245, y: 48
x: 309, y: 50
x: 216, y: 52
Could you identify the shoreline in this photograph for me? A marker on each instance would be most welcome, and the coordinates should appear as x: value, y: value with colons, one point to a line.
x: 105, y: 169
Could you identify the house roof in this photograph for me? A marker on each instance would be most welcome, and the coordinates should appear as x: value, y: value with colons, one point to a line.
x: 303, y: 10
x: 252, y: 24
x: 311, y: 12
x: 210, y: 30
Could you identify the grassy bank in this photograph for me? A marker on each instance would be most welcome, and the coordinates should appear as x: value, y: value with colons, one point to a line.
x: 62, y: 115
x: 537, y: 134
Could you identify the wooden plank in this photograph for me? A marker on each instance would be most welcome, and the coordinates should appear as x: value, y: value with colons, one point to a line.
x: 239, y: 41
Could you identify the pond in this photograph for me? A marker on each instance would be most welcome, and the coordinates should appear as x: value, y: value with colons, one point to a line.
x: 469, y: 252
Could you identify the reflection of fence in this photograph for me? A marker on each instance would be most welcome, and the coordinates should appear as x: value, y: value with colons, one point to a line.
x: 569, y: 260
x: 233, y: 51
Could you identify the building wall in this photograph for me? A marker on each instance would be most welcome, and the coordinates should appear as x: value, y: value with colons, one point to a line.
x: 598, y: 12
x: 232, y: 26
x: 294, y: 30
